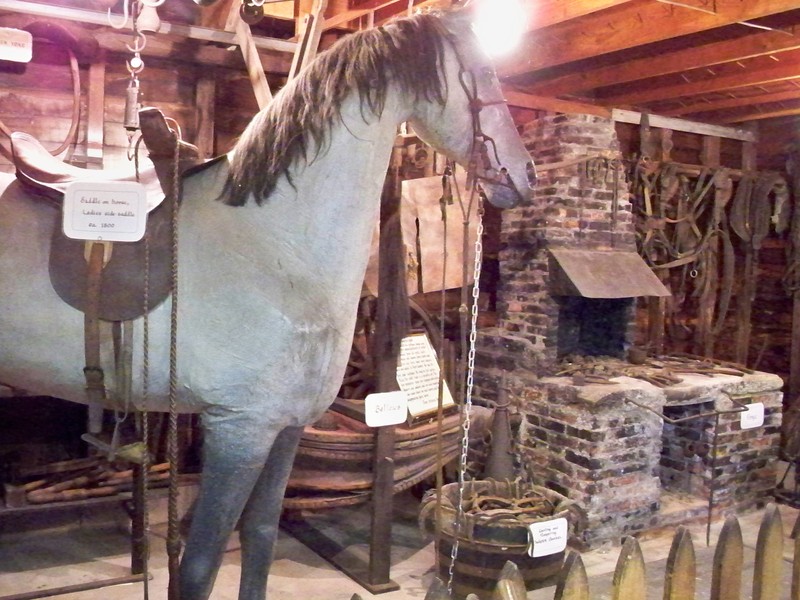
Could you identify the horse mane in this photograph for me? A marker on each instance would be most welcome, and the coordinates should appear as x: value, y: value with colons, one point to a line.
x: 407, y: 52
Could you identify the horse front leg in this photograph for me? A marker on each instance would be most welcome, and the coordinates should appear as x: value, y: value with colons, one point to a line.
x: 235, y: 449
x: 259, y: 524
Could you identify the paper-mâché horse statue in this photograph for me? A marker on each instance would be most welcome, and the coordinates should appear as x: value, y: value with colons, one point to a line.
x: 273, y: 246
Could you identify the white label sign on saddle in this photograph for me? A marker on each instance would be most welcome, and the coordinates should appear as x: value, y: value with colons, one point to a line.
x: 105, y: 211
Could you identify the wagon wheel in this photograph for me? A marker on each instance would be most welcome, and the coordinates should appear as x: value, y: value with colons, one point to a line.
x: 360, y: 375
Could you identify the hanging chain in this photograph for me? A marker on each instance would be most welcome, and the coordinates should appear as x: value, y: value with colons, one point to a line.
x: 467, y: 410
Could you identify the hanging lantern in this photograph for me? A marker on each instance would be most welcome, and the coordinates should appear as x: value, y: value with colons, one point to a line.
x: 251, y: 13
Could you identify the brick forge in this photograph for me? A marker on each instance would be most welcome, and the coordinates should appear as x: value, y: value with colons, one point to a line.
x: 602, y: 445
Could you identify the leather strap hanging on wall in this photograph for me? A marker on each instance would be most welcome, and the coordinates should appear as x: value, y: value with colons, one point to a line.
x: 77, y: 44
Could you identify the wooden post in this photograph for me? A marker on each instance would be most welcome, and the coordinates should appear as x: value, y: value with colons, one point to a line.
x: 391, y: 324
x: 747, y: 290
x: 679, y: 579
x: 204, y: 115
x: 769, y: 557
x: 95, y: 112
x: 573, y: 584
x: 726, y: 574
x: 310, y: 32
x: 252, y: 60
x: 629, y: 576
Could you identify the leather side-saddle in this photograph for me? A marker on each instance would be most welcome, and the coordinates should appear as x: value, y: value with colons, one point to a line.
x: 121, y: 286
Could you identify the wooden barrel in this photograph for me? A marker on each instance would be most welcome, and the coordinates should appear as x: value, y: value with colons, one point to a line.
x: 485, y: 543
x: 478, y: 565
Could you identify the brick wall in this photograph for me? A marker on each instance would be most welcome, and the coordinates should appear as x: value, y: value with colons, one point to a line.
x: 605, y: 446
x: 571, y: 207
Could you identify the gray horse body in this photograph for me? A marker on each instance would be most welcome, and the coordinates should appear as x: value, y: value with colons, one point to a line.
x: 266, y: 309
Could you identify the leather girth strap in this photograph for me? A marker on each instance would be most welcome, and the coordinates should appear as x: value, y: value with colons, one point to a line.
x: 95, y: 386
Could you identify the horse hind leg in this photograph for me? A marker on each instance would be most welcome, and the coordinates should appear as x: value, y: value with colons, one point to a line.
x: 235, y: 449
x: 259, y: 524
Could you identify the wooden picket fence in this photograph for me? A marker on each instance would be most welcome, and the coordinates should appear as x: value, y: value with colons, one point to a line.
x: 680, y: 579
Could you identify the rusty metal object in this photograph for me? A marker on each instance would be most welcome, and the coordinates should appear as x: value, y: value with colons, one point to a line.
x: 661, y: 371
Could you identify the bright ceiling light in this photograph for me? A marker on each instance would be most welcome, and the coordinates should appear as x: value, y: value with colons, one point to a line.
x: 500, y: 25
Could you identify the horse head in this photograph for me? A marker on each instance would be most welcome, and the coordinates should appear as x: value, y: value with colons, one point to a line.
x: 473, y: 124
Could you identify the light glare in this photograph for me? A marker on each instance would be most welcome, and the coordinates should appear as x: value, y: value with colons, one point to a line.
x: 499, y: 25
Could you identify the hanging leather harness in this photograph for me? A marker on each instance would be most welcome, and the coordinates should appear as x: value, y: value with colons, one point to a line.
x: 479, y: 167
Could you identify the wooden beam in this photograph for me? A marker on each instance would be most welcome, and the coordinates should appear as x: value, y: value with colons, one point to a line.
x: 731, y: 102
x: 735, y: 133
x: 310, y: 34
x: 758, y: 116
x: 255, y: 71
x: 522, y: 100
x: 99, y: 18
x: 782, y: 72
x: 370, y: 8
x: 751, y: 46
x: 543, y: 13
x: 357, y: 13
x: 628, y: 25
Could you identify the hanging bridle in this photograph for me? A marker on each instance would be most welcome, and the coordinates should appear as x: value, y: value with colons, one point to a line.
x: 479, y: 167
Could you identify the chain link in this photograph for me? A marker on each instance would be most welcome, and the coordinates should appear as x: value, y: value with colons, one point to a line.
x: 467, y: 409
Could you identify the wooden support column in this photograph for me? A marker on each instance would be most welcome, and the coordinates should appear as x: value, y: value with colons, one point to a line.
x: 794, y: 358
x: 310, y: 32
x: 704, y: 334
x: 656, y: 307
x: 255, y: 71
x: 749, y: 275
x: 710, y: 152
x: 95, y: 112
x: 391, y: 324
x: 204, y: 115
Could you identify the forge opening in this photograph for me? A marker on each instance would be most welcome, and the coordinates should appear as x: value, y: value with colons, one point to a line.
x: 593, y: 326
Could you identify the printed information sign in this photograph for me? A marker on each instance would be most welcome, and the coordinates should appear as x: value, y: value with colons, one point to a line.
x: 547, y: 537
x: 109, y: 212
x: 418, y: 375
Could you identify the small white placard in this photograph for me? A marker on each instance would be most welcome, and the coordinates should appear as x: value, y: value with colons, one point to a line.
x: 418, y: 375
x: 109, y: 212
x: 753, y: 417
x: 385, y: 408
x: 547, y: 537
x: 16, y: 45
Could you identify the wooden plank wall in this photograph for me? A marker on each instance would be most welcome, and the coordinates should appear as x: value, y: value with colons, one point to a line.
x: 211, y: 104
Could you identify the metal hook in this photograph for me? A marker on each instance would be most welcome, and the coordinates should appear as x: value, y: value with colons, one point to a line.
x: 141, y: 38
x: 125, y: 14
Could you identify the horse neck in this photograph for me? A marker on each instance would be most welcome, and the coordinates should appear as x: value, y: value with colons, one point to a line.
x: 340, y: 190
x: 320, y: 220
